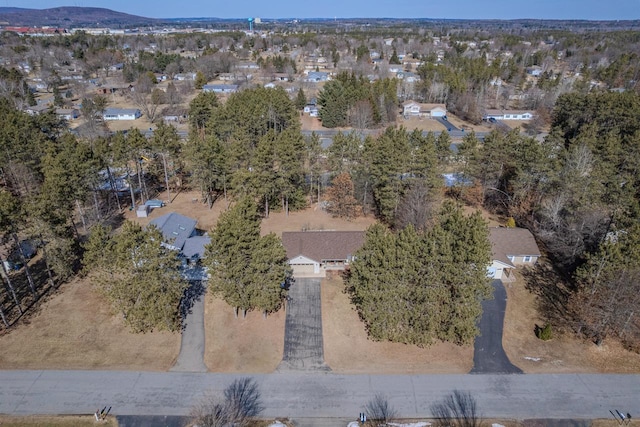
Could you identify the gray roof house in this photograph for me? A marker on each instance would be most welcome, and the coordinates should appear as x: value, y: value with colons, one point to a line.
x: 194, y: 246
x: 222, y: 88
x: 312, y: 253
x: 317, y: 76
x: 511, y: 247
x: 175, y: 229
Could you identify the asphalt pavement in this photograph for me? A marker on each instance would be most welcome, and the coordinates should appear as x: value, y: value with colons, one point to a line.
x: 488, y: 354
x: 298, y: 395
x: 191, y: 357
x: 303, y: 344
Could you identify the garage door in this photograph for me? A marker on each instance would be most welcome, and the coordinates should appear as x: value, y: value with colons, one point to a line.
x: 438, y: 113
x: 301, y: 270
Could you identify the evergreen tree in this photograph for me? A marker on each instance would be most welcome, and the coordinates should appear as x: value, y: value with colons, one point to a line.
x: 417, y: 287
x: 301, y: 99
x: 246, y: 269
x: 139, y: 276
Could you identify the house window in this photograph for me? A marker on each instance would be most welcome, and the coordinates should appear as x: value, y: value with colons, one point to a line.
x: 527, y: 259
x: 511, y: 258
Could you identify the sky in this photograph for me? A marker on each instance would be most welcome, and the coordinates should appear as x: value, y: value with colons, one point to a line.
x: 450, y: 9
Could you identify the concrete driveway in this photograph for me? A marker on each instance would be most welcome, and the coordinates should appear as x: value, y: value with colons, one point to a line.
x: 191, y: 357
x: 303, y: 345
x: 489, y: 356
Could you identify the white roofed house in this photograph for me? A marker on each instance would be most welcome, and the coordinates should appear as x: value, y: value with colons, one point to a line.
x: 508, y: 115
x: 121, y: 114
x: 416, y: 109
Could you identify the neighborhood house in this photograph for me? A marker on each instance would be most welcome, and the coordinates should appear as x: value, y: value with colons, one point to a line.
x: 416, y: 109
x: 222, y: 88
x: 312, y: 253
x: 511, y: 247
x: 121, y: 114
x: 508, y: 115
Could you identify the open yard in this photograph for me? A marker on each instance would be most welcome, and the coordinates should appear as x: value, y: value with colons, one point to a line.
x: 61, y: 421
x: 74, y: 328
x: 564, y: 353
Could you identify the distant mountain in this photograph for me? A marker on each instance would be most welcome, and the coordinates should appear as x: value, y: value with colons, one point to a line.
x: 67, y: 17
x: 12, y: 9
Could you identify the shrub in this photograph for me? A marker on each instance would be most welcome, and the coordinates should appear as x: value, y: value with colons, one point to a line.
x: 544, y: 333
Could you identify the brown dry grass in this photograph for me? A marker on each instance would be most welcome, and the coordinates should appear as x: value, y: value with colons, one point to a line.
x: 253, y: 344
x: 564, y: 353
x: 74, y: 329
x: 347, y: 349
x: 49, y: 421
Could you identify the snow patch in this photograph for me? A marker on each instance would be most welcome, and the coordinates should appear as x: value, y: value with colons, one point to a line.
x: 533, y: 359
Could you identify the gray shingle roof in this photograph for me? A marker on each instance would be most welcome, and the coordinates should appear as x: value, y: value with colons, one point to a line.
x: 512, y: 242
x: 175, y: 228
x: 322, y: 245
x: 195, y: 246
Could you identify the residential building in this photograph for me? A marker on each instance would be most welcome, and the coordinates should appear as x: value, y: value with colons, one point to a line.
x: 511, y: 247
x: 221, y: 88
x: 508, y: 115
x: 313, y: 253
x: 121, y: 114
x: 416, y: 109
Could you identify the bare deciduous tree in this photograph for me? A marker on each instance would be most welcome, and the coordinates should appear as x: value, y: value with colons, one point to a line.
x: 459, y: 409
x: 379, y: 410
x: 241, y: 403
x: 361, y: 115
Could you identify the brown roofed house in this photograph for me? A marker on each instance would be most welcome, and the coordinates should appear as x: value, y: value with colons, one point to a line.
x: 510, y: 248
x: 312, y: 253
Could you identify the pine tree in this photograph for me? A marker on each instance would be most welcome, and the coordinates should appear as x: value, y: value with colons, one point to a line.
x: 301, y: 99
x: 138, y: 275
x: 246, y: 269
x: 200, y: 81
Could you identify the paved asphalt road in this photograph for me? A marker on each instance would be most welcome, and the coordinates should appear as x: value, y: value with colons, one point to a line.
x: 318, y: 394
x: 488, y: 355
x: 303, y: 344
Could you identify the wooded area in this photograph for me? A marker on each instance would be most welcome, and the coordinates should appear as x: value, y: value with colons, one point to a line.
x: 576, y: 188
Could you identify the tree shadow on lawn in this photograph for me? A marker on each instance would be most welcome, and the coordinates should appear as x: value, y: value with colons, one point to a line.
x: 195, y: 291
x: 553, y: 294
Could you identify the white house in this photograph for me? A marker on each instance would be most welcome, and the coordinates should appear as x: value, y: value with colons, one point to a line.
x: 508, y: 115
x: 511, y: 247
x: 121, y: 114
x: 416, y: 109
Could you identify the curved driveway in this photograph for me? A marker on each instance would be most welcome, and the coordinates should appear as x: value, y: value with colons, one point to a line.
x: 488, y: 354
x: 323, y: 395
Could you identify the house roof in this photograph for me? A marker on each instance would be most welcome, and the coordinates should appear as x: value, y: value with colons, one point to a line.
x: 322, y: 245
x: 195, y: 246
x: 175, y: 228
x: 502, y: 112
x: 507, y: 242
x: 425, y: 107
x: 120, y: 111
